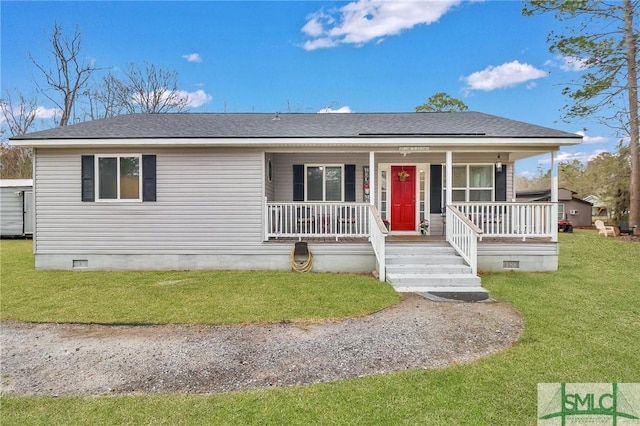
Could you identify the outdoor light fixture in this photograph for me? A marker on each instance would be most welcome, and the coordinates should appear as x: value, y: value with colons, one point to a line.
x: 499, y: 164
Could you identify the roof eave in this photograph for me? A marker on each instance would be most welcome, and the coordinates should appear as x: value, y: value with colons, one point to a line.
x: 329, y: 142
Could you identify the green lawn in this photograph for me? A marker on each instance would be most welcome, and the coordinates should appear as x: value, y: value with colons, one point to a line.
x: 184, y: 297
x: 582, y: 324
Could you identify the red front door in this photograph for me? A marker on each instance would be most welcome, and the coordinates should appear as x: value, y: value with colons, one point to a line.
x: 403, y: 198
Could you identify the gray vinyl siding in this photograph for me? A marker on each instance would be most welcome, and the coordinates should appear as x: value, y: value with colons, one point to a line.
x: 284, y: 169
x: 208, y: 201
x: 11, y: 210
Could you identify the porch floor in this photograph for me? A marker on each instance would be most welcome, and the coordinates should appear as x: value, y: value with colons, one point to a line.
x: 400, y: 239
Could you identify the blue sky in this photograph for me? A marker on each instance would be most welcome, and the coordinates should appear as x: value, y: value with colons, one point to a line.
x: 308, y: 56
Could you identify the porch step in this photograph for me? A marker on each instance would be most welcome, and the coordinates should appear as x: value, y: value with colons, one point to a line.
x: 439, y: 289
x: 429, y: 267
x: 442, y: 279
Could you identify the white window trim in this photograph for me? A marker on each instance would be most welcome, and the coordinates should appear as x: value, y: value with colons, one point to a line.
x: 468, y: 188
x: 324, y: 183
x: 97, y: 179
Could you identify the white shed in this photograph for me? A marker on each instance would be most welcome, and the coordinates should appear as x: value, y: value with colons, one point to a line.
x: 16, y: 207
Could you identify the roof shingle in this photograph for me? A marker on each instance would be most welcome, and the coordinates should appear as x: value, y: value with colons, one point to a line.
x: 262, y: 125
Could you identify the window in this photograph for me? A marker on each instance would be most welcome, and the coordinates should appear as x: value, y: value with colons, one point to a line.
x: 128, y: 177
x: 324, y: 183
x: 560, y: 211
x: 269, y: 170
x: 470, y: 183
x: 119, y: 177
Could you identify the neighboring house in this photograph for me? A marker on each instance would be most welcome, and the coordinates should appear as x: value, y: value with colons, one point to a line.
x: 235, y: 191
x: 576, y: 210
x: 599, y: 209
x: 16, y: 208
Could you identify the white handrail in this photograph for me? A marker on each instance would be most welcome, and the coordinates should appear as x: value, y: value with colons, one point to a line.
x: 463, y: 236
x: 515, y: 220
x: 298, y: 219
x: 378, y: 240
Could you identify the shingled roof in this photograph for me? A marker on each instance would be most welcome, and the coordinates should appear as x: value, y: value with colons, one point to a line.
x: 261, y: 125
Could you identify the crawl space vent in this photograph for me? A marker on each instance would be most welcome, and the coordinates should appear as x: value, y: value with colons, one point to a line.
x: 511, y: 264
x: 80, y: 264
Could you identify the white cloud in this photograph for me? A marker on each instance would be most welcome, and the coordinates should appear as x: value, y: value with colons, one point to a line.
x: 342, y: 110
x: 197, y: 98
x: 592, y: 139
x: 47, y: 113
x: 526, y: 174
x: 362, y: 21
x: 502, y: 76
x: 582, y: 156
x: 193, y: 57
x: 194, y: 99
x: 568, y: 63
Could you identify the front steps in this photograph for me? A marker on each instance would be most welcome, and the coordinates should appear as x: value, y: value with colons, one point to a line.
x: 432, y: 267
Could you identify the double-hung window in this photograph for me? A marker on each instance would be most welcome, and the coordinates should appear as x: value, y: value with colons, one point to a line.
x: 471, y: 182
x: 119, y: 177
x: 324, y: 182
x: 125, y: 177
x: 560, y: 211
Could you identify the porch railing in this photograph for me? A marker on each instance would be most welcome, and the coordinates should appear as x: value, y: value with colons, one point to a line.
x: 298, y: 220
x: 378, y: 241
x: 515, y: 220
x: 463, y: 235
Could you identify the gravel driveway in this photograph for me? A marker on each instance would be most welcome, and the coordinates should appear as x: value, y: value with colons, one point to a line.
x: 72, y: 359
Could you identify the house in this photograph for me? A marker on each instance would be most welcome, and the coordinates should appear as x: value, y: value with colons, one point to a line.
x: 236, y: 191
x: 572, y: 208
x: 16, y: 208
x: 600, y: 209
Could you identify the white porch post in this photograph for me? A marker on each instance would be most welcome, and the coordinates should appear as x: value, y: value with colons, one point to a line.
x: 554, y: 197
x: 449, y: 191
x: 372, y: 178
x: 448, y: 174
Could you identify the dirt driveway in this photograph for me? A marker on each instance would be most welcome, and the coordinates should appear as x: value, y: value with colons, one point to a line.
x: 72, y: 359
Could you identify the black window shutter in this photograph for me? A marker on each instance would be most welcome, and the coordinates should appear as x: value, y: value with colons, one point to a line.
x: 501, y: 184
x: 298, y: 182
x: 148, y: 178
x: 436, y: 189
x: 349, y: 182
x: 88, y: 178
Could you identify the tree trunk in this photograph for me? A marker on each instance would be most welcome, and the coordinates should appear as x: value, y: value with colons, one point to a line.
x: 632, y: 81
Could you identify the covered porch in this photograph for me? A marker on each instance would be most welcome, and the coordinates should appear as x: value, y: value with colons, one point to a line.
x: 401, y: 198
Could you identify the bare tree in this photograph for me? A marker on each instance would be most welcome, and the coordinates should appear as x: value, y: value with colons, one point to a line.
x: 19, y: 118
x: 107, y: 98
x: 149, y: 89
x: 16, y: 162
x: 67, y: 81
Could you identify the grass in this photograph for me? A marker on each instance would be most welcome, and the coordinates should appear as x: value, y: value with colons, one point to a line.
x: 185, y: 297
x: 582, y: 324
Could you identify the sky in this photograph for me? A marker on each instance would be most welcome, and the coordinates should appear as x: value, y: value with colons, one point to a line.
x: 316, y: 56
